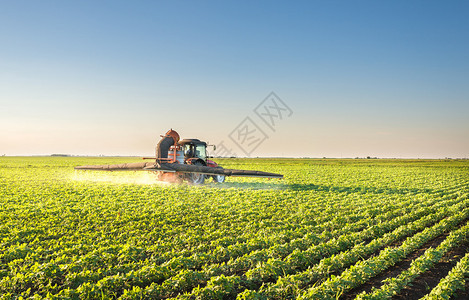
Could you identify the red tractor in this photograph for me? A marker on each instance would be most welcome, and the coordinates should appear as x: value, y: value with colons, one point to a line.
x: 177, y: 160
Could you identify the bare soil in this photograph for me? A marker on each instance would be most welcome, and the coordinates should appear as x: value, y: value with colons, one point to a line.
x: 428, y: 280
x: 394, y: 271
x: 424, y: 283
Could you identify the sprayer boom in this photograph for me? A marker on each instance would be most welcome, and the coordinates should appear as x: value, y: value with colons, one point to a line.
x: 178, y: 160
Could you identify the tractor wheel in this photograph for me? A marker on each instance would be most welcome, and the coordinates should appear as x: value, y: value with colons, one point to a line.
x: 218, y: 178
x: 196, y: 178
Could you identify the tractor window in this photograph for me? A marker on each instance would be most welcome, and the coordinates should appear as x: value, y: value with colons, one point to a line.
x: 188, y: 151
x: 200, y: 152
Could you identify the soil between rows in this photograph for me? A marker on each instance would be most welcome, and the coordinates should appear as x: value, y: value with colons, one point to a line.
x: 395, y: 270
x: 428, y: 280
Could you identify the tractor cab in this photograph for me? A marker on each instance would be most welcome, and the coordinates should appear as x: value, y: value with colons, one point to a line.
x: 195, y: 153
x: 194, y: 148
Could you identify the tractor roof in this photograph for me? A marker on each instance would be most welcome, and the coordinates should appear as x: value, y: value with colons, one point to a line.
x: 192, y: 141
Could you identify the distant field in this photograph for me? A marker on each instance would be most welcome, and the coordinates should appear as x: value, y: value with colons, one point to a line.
x: 332, y: 229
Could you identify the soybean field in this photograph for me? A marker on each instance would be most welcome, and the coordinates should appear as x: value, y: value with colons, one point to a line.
x: 331, y: 229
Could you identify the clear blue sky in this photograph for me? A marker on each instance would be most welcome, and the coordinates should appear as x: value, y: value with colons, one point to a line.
x: 378, y: 78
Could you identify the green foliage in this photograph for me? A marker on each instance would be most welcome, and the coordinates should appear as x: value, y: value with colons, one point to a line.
x: 328, y: 227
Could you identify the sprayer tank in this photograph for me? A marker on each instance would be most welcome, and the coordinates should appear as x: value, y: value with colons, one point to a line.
x: 179, y: 155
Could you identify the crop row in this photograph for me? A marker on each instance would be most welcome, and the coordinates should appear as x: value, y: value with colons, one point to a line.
x: 83, y: 235
x: 366, y: 269
x: 288, y: 285
x: 393, y: 286
x: 454, y: 281
x: 259, y: 268
x: 149, y: 274
x: 123, y: 261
